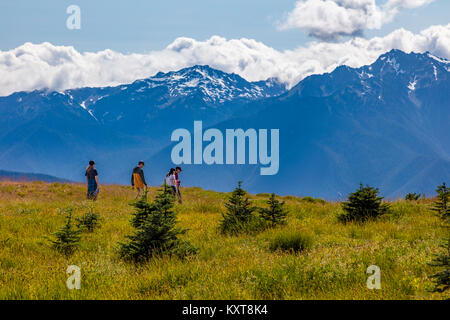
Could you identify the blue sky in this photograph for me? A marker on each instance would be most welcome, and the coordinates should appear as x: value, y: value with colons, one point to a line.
x: 121, y: 41
x: 142, y: 25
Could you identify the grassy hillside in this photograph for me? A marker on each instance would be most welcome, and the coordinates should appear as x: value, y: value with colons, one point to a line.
x: 226, y: 267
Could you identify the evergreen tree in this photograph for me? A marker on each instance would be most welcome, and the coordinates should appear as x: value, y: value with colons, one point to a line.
x: 276, y: 213
x: 143, y: 209
x: 156, y: 231
x: 68, y: 237
x: 239, y: 212
x: 442, y: 205
x: 442, y: 259
x: 363, y: 204
x: 412, y: 196
x: 89, y: 221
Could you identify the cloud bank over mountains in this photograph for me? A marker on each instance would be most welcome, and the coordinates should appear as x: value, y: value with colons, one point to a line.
x: 332, y: 19
x: 39, y: 66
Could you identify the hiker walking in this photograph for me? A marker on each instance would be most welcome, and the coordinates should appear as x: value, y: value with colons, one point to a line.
x: 171, y: 182
x: 138, y: 179
x: 92, y: 181
x: 178, y: 183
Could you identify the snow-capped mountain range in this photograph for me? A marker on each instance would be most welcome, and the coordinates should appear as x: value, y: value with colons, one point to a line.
x: 212, y: 86
x: 384, y: 124
x: 43, y: 129
x: 412, y: 71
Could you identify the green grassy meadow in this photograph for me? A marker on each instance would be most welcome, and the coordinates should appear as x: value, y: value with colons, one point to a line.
x: 226, y: 267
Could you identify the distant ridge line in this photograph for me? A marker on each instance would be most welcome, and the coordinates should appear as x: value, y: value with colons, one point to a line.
x: 27, y: 177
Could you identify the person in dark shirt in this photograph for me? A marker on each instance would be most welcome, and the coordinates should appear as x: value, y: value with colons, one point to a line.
x: 138, y: 179
x: 92, y: 181
x: 178, y: 184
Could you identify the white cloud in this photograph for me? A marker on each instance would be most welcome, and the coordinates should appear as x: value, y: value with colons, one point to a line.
x: 333, y: 19
x: 38, y: 66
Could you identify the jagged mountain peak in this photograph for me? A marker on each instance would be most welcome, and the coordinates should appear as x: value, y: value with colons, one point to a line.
x: 393, y: 71
x: 214, y: 86
x: 402, y: 62
x: 203, y: 71
x: 399, y: 54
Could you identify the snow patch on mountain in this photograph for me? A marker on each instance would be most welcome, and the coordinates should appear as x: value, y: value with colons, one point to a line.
x: 395, y: 65
x: 412, y: 85
x: 438, y: 59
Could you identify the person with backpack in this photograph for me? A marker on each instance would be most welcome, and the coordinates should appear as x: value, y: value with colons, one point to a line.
x: 138, y: 179
x: 92, y: 181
